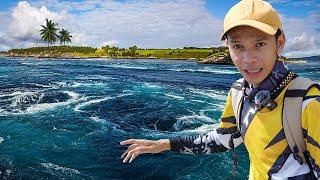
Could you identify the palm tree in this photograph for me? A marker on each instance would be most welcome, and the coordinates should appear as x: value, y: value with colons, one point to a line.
x: 48, y: 32
x: 64, y: 36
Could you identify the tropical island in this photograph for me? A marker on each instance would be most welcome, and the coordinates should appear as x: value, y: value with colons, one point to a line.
x: 48, y: 33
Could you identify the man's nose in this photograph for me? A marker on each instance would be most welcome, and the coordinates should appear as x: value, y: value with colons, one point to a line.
x: 249, y: 57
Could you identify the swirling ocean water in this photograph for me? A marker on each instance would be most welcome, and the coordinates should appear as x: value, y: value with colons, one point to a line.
x: 64, y: 119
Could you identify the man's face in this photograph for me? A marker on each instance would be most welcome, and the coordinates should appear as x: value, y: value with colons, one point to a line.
x: 253, y: 52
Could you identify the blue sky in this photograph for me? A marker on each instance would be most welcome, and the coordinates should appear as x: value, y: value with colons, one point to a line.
x: 149, y: 23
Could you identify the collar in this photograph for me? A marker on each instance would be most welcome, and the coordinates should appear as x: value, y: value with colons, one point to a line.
x: 271, y: 83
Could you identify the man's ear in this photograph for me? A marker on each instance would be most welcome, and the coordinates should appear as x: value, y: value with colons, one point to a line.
x: 280, y: 43
x: 225, y: 43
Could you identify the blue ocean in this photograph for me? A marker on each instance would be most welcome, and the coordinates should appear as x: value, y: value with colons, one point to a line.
x: 64, y: 119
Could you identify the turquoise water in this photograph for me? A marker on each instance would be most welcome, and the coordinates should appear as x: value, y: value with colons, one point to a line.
x: 64, y: 119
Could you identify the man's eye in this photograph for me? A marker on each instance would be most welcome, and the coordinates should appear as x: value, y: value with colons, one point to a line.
x: 237, y: 46
x: 260, y: 44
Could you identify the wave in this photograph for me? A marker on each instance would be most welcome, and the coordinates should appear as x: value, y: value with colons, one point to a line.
x: 1, y: 139
x: 207, y: 70
x: 214, y: 94
x: 97, y: 119
x: 90, y: 102
x: 152, y: 86
x: 95, y: 101
x: 108, y: 124
x: 40, y: 85
x: 191, y: 120
x: 79, y: 84
x: 61, y: 130
x: 175, y: 96
x: 199, y: 101
x: 156, y: 134
x: 204, y: 129
x: 34, y: 102
x: 46, y: 106
x: 123, y: 66
x: 95, y: 77
x: 53, y: 168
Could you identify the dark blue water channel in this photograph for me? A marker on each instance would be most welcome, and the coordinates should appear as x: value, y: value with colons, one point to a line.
x: 64, y: 119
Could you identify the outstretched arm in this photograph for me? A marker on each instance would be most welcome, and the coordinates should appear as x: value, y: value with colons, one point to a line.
x: 225, y: 137
x: 221, y: 139
x: 218, y: 140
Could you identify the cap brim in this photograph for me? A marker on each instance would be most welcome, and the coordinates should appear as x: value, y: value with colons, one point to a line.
x: 252, y: 23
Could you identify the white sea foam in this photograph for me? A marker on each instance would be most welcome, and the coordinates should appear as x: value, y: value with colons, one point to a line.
x: 95, y: 77
x: 123, y: 66
x: 195, y: 100
x: 26, y: 63
x: 154, y: 133
x: 95, y: 101
x: 26, y: 97
x: 97, y: 119
x: 77, y: 84
x: 214, y: 94
x: 1, y: 139
x: 59, y: 169
x: 90, y: 102
x: 204, y: 129
x: 46, y: 106
x: 80, y: 84
x: 41, y: 85
x: 207, y: 70
x: 175, y: 96
x: 150, y: 85
x: 196, y: 117
x: 61, y: 130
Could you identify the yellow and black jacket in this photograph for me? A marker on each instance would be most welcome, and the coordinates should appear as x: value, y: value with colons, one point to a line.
x: 264, y: 138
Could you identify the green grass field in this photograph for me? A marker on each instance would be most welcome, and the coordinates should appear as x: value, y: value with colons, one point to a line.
x: 132, y: 52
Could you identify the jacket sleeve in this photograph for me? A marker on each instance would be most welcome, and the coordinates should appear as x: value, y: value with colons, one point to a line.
x: 311, y: 127
x: 218, y: 140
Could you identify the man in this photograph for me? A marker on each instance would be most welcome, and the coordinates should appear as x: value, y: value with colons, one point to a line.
x: 253, y: 33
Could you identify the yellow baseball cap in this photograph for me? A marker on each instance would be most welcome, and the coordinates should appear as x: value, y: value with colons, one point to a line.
x: 258, y: 14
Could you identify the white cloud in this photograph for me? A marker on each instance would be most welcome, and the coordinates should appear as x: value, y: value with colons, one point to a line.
x: 302, y: 43
x: 297, y: 54
x: 110, y: 43
x: 26, y: 21
x: 301, y: 35
x: 143, y: 23
x: 295, y: 3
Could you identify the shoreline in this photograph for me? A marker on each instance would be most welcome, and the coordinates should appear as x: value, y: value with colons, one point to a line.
x: 214, y: 55
x: 200, y: 61
x: 94, y: 57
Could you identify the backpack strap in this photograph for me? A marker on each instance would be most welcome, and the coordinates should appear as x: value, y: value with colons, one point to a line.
x: 291, y: 116
x: 237, y: 92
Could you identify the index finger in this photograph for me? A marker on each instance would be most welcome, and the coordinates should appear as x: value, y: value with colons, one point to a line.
x: 128, y: 141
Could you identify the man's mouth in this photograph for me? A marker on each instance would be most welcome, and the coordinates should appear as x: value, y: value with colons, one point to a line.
x: 253, y: 71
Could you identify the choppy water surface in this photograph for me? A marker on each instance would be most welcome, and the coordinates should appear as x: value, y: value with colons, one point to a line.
x: 65, y: 118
